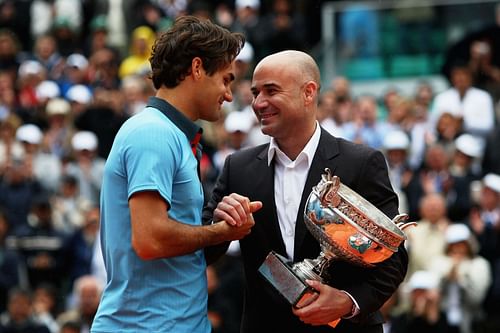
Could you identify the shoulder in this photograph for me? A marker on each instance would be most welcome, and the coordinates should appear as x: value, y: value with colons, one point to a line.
x: 345, y: 147
x: 246, y: 155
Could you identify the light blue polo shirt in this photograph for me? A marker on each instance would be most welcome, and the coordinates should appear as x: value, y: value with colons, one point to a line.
x: 151, y: 152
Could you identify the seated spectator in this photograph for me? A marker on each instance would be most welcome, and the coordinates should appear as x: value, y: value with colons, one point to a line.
x: 87, y: 166
x: 427, y: 240
x: 9, y: 265
x: 19, y: 315
x: 464, y: 170
x: 41, y: 247
x: 424, y: 313
x: 465, y: 278
x: 86, y: 296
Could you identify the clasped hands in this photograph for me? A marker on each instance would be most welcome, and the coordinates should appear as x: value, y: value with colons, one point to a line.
x: 236, y: 211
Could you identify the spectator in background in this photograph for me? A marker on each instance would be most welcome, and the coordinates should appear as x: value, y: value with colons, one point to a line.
x: 82, y: 243
x: 87, y: 166
x: 45, y: 168
x: 400, y: 115
x: 484, y: 221
x: 17, y: 190
x: 135, y: 91
x: 485, y: 73
x: 447, y: 129
x: 424, y: 313
x: 491, y: 158
x: 326, y: 109
x: 473, y: 105
x: 67, y: 36
x: 75, y: 73
x: 9, y: 52
x: 98, y: 37
x: 365, y: 127
x: 10, y: 269
x: 30, y: 74
x: 8, y: 95
x: 85, y: 300
x: 395, y: 147
x: 19, y: 316
x: 285, y: 28
x: 103, y: 117
x: 464, y: 170
x: 335, y: 116
x: 137, y: 61
x: 46, y: 305
x: 45, y: 51
x: 465, y: 277
x: 10, y: 148
x: 248, y: 21
x: 422, y: 132
x: 433, y: 177
x: 103, y: 72
x: 41, y: 247
x: 237, y: 126
x: 69, y: 206
x: 57, y: 138
x: 427, y: 240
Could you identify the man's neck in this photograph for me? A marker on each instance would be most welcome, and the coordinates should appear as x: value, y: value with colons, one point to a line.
x: 177, y: 98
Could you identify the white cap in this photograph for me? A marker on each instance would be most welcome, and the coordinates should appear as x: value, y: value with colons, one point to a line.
x: 30, y: 67
x: 57, y: 106
x: 77, y: 60
x: 255, y: 4
x: 492, y: 181
x: 47, y: 89
x: 237, y: 121
x: 246, y: 53
x: 79, y: 93
x: 84, y: 140
x: 396, y: 140
x: 457, y: 232
x: 423, y: 280
x: 469, y: 145
x: 29, y: 133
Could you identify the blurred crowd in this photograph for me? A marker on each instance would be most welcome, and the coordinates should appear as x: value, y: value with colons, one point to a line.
x: 71, y: 72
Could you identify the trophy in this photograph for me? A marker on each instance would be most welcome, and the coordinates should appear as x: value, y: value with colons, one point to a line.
x: 348, y: 227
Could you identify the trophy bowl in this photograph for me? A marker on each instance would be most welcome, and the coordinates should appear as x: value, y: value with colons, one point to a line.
x: 347, y: 227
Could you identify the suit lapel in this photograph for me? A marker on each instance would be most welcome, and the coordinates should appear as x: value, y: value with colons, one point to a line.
x: 325, y: 156
x: 265, y: 192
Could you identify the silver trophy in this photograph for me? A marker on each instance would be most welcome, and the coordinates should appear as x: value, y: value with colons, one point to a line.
x: 348, y: 227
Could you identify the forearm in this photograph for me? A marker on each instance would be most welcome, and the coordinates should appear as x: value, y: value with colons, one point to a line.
x: 174, y: 238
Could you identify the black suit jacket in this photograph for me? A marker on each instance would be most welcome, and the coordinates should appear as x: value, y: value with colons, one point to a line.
x: 364, y: 170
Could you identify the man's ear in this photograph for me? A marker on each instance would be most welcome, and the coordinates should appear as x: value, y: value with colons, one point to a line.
x: 310, y: 92
x: 196, y: 68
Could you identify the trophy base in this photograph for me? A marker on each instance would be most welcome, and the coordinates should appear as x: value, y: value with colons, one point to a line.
x: 276, y: 270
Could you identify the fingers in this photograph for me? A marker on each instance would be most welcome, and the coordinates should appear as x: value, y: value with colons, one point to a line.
x: 255, y: 206
x: 236, y: 210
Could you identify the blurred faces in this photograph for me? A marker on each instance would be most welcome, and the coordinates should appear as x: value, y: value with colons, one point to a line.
x: 433, y: 207
x: 461, y: 79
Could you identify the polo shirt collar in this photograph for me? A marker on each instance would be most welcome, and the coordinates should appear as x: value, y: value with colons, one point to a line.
x: 186, y: 125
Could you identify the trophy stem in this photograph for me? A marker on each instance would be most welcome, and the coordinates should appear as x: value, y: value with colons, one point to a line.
x: 311, y: 269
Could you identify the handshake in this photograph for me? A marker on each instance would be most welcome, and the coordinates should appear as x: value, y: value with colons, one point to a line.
x: 234, y: 215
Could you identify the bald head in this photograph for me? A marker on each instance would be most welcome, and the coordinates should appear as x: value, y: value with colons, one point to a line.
x: 292, y: 60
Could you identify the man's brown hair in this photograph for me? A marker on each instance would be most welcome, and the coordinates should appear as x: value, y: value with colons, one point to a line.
x: 191, y: 37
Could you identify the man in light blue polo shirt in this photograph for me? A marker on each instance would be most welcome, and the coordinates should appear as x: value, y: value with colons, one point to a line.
x: 151, y: 200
